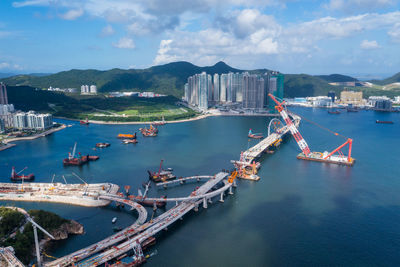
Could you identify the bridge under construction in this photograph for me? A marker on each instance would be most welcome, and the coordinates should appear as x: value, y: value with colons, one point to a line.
x: 132, y: 237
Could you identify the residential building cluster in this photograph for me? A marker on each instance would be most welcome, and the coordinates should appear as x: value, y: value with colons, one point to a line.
x: 10, y: 118
x: 241, y: 90
x: 88, y: 90
x: 32, y: 120
x: 64, y: 90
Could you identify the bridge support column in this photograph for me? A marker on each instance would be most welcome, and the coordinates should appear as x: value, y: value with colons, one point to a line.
x: 198, y: 179
x: 181, y: 182
x: 234, y: 183
x: 196, y: 208
x: 210, y: 201
x: 176, y: 203
x: 230, y: 191
x: 221, y: 197
x: 205, y: 203
x: 165, y: 186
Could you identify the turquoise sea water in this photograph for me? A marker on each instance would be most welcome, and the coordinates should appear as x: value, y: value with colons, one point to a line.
x: 299, y: 214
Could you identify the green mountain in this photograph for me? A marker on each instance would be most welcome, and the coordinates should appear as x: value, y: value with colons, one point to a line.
x: 393, y: 79
x: 165, y: 79
x: 334, y: 78
x: 302, y: 85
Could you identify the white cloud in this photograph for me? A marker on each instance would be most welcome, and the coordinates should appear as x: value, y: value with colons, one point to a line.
x: 72, y: 14
x: 107, y: 31
x: 9, y: 66
x: 125, y: 43
x: 394, y: 33
x: 365, y: 44
x: 251, y: 34
x: 356, y: 6
x: 31, y: 3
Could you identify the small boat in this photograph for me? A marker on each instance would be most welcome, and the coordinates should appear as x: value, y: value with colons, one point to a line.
x: 130, y: 141
x: 114, y: 220
x: 384, y: 122
x: 15, y: 177
x: 102, y: 145
x: 352, y: 110
x: 117, y: 228
x: 84, y: 122
x: 254, y: 136
x: 333, y: 111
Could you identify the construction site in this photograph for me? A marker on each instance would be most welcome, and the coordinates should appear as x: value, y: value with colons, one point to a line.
x: 131, y: 241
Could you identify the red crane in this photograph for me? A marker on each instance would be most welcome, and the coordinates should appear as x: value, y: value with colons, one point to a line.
x: 306, y: 153
x: 292, y: 128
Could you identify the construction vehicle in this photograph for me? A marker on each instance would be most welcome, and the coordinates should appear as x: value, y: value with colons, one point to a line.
x: 306, y: 154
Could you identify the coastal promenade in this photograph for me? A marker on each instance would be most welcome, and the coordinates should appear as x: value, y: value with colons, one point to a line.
x: 8, y: 144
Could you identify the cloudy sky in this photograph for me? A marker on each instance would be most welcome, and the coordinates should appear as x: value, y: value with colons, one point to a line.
x: 293, y: 36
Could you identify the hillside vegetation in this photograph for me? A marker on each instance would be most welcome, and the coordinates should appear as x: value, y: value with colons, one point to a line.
x: 99, y: 107
x: 23, y: 242
x: 170, y: 78
x: 164, y: 79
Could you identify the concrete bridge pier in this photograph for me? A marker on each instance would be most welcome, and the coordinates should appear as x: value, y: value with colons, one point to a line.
x: 230, y: 191
x: 234, y: 183
x: 221, y: 197
x: 196, y: 208
x: 205, y: 203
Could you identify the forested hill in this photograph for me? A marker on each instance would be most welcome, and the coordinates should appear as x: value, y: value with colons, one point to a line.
x: 170, y: 78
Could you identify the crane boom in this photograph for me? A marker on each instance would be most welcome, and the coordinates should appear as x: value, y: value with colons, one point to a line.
x: 41, y: 228
x: 73, y: 151
x: 292, y: 128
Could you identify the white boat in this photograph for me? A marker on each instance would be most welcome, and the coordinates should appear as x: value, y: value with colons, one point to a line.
x: 114, y: 220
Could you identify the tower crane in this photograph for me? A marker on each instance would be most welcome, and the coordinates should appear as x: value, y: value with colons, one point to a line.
x: 306, y: 154
x: 35, y: 226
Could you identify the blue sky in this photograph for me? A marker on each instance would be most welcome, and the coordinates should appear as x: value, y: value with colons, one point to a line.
x: 293, y: 36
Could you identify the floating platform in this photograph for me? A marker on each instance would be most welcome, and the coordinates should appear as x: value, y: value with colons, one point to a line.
x: 318, y: 156
x: 252, y: 177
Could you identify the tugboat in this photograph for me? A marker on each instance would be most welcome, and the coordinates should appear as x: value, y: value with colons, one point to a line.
x: 15, y: 177
x: 84, y: 122
x: 161, y: 175
x: 73, y: 161
x: 102, y: 145
x: 130, y: 141
x: 254, y: 136
x: 151, y: 131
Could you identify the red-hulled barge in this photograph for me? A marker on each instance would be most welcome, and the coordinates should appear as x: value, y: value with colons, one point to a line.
x: 15, y: 177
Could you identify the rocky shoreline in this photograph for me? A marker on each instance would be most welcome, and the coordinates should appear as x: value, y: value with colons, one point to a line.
x: 61, y: 233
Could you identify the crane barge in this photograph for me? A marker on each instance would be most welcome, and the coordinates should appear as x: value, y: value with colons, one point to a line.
x: 306, y: 154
